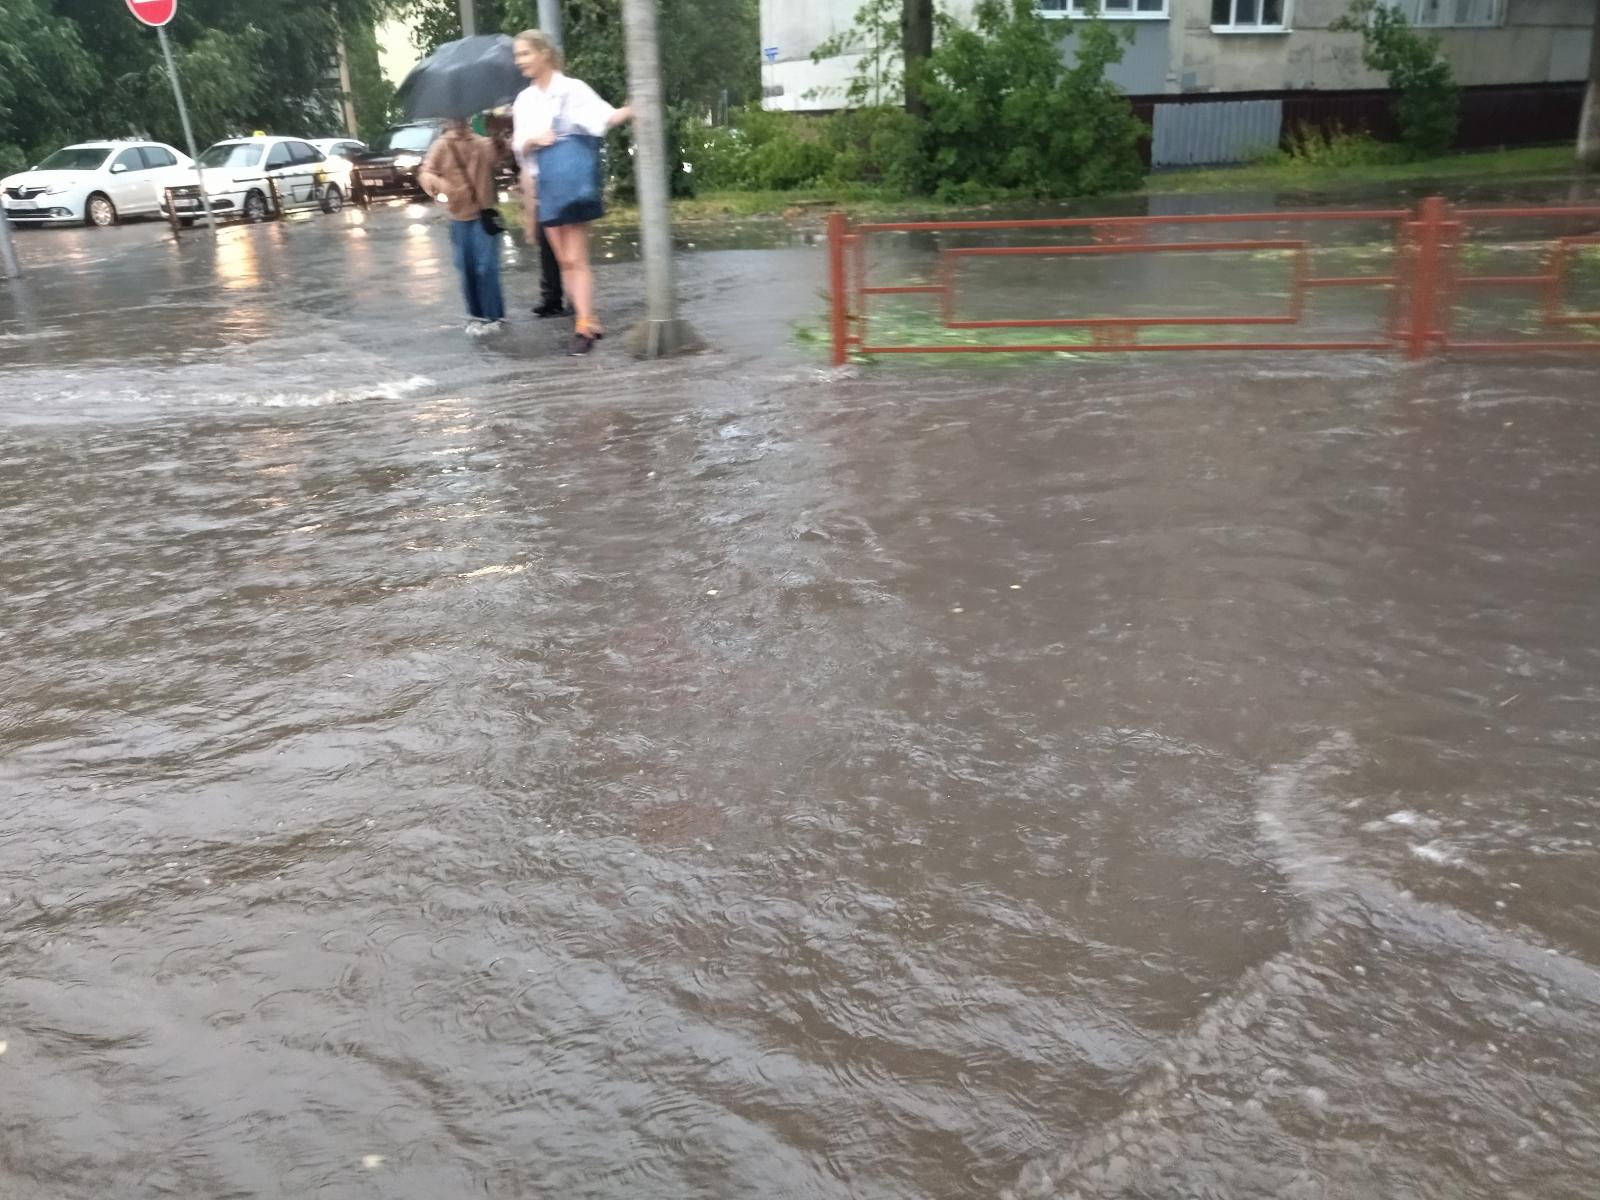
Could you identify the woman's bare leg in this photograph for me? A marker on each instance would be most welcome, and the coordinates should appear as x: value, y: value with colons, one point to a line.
x: 571, y: 244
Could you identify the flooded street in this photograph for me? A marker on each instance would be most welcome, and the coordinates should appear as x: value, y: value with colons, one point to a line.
x: 434, y: 768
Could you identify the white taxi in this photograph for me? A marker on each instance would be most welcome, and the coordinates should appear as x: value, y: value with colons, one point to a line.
x: 255, y: 176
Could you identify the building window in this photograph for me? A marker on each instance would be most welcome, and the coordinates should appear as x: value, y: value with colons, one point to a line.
x: 1440, y: 14
x: 1251, y: 16
x: 1116, y: 10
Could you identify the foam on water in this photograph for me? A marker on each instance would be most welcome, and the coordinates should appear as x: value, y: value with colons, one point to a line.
x: 1274, y: 1002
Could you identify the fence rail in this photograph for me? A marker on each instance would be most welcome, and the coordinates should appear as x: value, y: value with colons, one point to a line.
x: 1423, y: 289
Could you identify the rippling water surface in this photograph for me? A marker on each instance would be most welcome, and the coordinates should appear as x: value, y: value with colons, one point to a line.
x: 432, y: 769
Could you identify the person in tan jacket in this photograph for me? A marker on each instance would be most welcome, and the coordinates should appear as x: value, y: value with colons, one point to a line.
x: 459, y: 172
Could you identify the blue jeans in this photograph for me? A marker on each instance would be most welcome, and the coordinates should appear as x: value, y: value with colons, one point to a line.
x: 478, y: 262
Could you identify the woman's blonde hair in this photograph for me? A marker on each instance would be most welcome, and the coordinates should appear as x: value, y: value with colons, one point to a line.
x: 540, y: 40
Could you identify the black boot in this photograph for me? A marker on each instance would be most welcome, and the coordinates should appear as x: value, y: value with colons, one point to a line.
x: 551, y: 303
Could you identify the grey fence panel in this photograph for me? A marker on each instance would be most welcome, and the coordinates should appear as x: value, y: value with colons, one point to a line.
x: 1212, y: 133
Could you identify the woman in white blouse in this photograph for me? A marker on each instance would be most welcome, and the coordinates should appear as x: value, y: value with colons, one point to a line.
x: 550, y: 96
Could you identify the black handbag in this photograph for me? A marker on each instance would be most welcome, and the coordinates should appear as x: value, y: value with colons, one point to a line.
x: 493, y: 224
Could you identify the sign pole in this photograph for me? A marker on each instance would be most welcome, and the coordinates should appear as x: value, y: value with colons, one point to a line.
x: 10, y: 268
x: 188, y: 132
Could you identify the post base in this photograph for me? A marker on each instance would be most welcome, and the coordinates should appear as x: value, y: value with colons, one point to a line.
x: 661, y: 339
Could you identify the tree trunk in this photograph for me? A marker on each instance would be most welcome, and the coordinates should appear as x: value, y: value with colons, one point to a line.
x: 347, y: 102
x: 1589, y: 129
x: 661, y: 333
x: 916, y: 28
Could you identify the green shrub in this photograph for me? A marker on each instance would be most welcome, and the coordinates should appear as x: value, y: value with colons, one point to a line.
x: 880, y: 146
x: 720, y: 156
x: 776, y: 151
x: 760, y: 126
x: 788, y: 162
x: 1004, y: 111
x: 966, y: 192
x: 682, y: 136
x: 1428, y: 107
x: 1308, y: 145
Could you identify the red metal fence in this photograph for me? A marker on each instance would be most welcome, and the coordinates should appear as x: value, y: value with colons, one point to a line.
x: 1423, y: 290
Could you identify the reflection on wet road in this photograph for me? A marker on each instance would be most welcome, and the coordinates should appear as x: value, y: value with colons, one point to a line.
x: 433, y: 768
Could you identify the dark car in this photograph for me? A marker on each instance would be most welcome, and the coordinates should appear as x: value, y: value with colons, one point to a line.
x: 390, y: 167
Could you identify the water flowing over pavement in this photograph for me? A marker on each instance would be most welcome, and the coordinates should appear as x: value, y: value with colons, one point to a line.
x: 434, y: 768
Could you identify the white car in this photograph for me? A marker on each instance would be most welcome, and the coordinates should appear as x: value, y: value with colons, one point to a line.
x: 97, y: 183
x: 346, y: 148
x: 341, y: 154
x: 250, y: 177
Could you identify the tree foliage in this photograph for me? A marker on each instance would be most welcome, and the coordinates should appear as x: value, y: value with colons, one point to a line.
x: 47, y: 76
x: 1006, y: 113
x: 877, y: 37
x: 77, y: 70
x: 1428, y: 103
x: 892, y: 40
x: 707, y: 46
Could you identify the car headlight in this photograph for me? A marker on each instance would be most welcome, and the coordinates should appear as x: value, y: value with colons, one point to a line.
x: 406, y: 161
x: 56, y: 189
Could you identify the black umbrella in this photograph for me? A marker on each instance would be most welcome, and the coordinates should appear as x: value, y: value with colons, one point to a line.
x: 463, y: 78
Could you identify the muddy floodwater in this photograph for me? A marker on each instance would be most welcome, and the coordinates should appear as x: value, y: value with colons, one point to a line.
x: 434, y: 768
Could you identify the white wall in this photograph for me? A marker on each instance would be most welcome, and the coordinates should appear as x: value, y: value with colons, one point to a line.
x: 794, y: 28
x: 790, y: 31
x: 1541, y: 41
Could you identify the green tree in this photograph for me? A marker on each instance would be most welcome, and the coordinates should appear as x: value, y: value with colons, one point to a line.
x: 1428, y: 106
x: 73, y: 70
x: 1005, y: 112
x: 47, y: 78
x: 373, y: 92
x: 877, y: 37
x: 435, y: 22
x: 707, y: 46
x: 894, y: 39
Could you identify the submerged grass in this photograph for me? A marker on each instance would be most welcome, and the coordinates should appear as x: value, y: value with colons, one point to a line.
x: 1292, y: 175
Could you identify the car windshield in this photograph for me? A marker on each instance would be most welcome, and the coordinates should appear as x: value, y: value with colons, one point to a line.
x: 415, y: 138
x: 232, y: 154
x: 75, y: 158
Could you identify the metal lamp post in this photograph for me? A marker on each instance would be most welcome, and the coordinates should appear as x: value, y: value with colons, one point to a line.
x: 10, y: 268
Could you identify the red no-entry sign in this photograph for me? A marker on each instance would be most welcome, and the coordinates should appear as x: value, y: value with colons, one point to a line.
x: 154, y: 12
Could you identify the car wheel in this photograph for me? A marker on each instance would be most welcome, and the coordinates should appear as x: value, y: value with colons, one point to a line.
x: 186, y: 222
x: 255, y: 207
x: 100, y: 212
x: 332, y: 199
